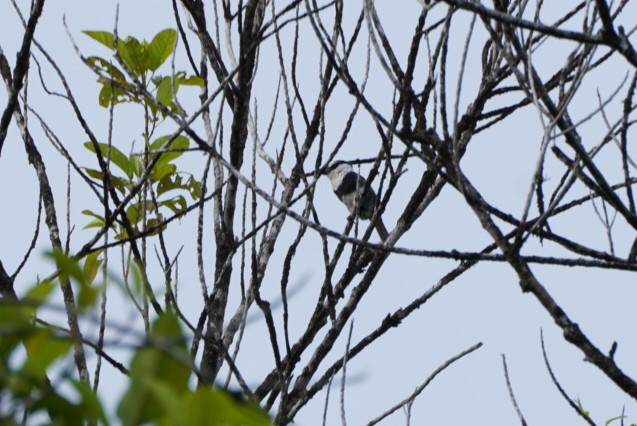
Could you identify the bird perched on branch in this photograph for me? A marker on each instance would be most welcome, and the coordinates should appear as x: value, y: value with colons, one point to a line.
x: 351, y: 189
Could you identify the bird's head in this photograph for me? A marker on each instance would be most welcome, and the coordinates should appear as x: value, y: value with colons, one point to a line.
x: 338, y: 169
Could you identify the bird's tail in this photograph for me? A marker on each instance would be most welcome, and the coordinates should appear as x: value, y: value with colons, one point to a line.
x: 382, y: 231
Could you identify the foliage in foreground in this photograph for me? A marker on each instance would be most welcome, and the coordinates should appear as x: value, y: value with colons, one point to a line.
x: 159, y: 375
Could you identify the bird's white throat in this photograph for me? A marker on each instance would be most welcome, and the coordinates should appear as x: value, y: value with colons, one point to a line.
x: 336, y: 176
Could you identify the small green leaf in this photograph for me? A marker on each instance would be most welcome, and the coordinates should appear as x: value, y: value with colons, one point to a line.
x: 155, y: 112
x: 165, y: 91
x: 97, y: 222
x: 611, y: 420
x: 137, y: 164
x: 119, y: 183
x: 117, y: 157
x: 108, y: 68
x: 111, y: 93
x: 91, y: 214
x: 153, y: 223
x: 195, y: 187
x: 91, y: 265
x: 174, y: 148
x: 133, y: 213
x: 161, y: 47
x: 177, y: 205
x: 169, y: 182
x: 192, y: 80
x: 93, y: 224
x: 138, y: 278
x: 95, y: 174
x: 106, y: 38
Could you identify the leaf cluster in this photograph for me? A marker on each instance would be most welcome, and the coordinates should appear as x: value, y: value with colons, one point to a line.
x: 139, y: 60
x: 158, y: 390
x: 164, y: 179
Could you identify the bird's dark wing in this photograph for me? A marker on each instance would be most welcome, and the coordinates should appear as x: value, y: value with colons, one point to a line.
x: 348, y: 185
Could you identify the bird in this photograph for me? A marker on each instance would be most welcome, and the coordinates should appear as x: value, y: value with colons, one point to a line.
x: 351, y: 189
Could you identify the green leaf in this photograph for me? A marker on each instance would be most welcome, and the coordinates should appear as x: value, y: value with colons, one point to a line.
x: 179, y: 142
x: 111, y: 93
x: 153, y: 367
x: 195, y: 187
x: 160, y: 48
x: 611, y: 420
x: 39, y: 293
x: 161, y: 173
x: 90, y: 402
x: 162, y: 168
x: 134, y: 55
x: 95, y: 174
x: 169, y: 182
x: 68, y: 267
x: 91, y: 214
x: 97, y: 222
x: 165, y: 91
x: 93, y: 224
x: 137, y: 164
x: 88, y: 296
x: 106, y: 38
x: 60, y: 410
x: 177, y: 205
x: 216, y: 407
x: 119, y: 183
x: 16, y: 321
x: 155, y: 113
x: 167, y: 398
x: 153, y: 223
x: 192, y: 80
x: 138, y: 278
x: 108, y: 68
x: 91, y: 265
x: 117, y: 157
x: 42, y: 350
x: 133, y: 213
